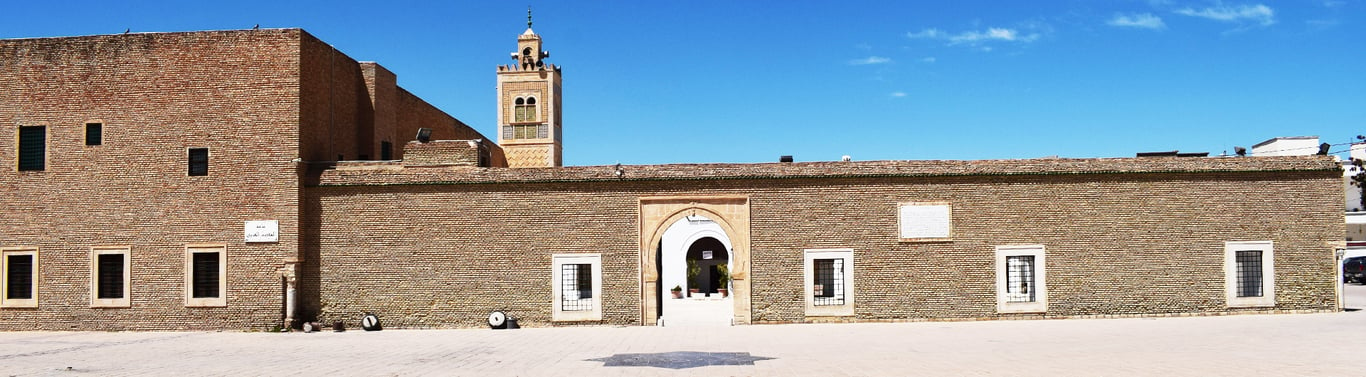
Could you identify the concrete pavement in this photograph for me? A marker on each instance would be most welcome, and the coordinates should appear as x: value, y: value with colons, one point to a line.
x: 1303, y: 344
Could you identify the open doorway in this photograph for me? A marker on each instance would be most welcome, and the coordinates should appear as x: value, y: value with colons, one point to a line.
x: 695, y: 259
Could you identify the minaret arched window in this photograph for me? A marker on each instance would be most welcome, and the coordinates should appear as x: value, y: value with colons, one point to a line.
x: 524, y: 109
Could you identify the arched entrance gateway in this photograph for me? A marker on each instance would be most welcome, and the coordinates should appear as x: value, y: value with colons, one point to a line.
x: 727, y: 242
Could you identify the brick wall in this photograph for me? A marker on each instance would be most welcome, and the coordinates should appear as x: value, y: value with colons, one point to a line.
x: 234, y: 92
x: 258, y: 99
x: 1147, y: 241
x: 348, y: 108
x: 442, y: 153
x: 414, y: 113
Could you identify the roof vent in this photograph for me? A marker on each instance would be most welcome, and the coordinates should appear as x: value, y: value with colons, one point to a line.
x: 785, y: 159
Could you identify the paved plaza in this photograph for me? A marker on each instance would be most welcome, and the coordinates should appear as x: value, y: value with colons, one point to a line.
x: 1306, y: 344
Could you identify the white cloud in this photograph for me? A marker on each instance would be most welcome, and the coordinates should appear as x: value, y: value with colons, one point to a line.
x: 927, y: 33
x: 870, y: 60
x: 1260, y: 14
x: 928, y: 59
x: 1143, y: 20
x: 898, y: 94
x: 976, y: 37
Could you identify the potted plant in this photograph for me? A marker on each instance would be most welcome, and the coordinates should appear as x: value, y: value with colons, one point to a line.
x: 677, y: 291
x: 693, y: 271
x: 724, y: 279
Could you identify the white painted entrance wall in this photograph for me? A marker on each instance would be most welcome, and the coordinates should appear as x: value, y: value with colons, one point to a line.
x: 673, y: 261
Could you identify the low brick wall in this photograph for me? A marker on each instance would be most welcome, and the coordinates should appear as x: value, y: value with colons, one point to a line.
x: 1124, y: 237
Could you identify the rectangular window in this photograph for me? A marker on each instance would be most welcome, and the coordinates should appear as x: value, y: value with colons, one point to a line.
x: 1019, y: 278
x: 386, y: 150
x: 578, y: 287
x: 829, y: 277
x: 20, y: 280
x: 829, y: 282
x: 94, y: 133
x: 925, y: 222
x: 527, y: 131
x: 205, y: 280
x: 199, y: 162
x: 32, y: 148
x: 109, y: 277
x: 1021, y: 282
x: 1249, y: 274
x: 509, y: 132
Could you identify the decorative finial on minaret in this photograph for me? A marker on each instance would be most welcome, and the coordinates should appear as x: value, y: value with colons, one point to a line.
x: 528, y: 16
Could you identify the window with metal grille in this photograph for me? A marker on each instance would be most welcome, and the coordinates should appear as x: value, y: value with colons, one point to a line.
x: 1249, y: 266
x: 199, y: 162
x: 94, y: 133
x: 386, y: 150
x: 32, y: 148
x: 109, y: 276
x: 1020, y: 278
x: 19, y: 277
x: 828, y: 288
x: 205, y: 277
x: 577, y: 287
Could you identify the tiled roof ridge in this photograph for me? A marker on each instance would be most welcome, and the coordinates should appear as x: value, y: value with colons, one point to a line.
x: 395, y: 174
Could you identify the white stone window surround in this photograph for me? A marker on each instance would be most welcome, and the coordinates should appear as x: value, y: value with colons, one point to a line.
x: 95, y: 300
x: 557, y: 276
x: 1268, y: 273
x: 808, y: 283
x: 31, y: 302
x: 222, y: 299
x: 1040, y: 278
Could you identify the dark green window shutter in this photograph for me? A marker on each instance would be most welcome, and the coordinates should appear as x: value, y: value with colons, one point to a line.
x: 386, y: 150
x: 110, y: 277
x: 199, y: 161
x: 19, y: 285
x: 205, y: 279
x: 32, y: 148
x: 94, y: 134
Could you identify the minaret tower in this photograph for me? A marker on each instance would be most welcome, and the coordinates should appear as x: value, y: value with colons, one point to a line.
x: 529, y: 105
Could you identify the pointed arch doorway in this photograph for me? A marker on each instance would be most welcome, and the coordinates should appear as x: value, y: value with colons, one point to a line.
x: 730, y: 215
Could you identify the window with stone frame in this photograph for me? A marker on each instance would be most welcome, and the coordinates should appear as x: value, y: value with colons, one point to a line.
x: 828, y: 280
x: 19, y: 283
x: 578, y: 287
x: 32, y: 154
x: 109, y: 277
x: 206, y: 275
x: 1249, y: 274
x: 1021, y: 279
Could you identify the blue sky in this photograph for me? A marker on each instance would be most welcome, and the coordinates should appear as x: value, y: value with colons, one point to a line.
x: 748, y: 81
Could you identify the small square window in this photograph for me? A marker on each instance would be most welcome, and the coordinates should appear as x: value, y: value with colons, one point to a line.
x: 205, y: 276
x: 20, y: 281
x: 199, y: 162
x: 1021, y: 284
x: 109, y: 277
x: 94, y: 133
x: 829, y: 282
x: 1249, y: 274
x: 578, y: 287
x: 32, y: 148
